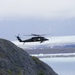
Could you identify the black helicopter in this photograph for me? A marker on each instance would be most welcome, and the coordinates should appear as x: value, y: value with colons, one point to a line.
x: 35, y: 38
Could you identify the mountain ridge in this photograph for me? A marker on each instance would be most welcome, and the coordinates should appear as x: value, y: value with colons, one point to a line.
x: 15, y: 61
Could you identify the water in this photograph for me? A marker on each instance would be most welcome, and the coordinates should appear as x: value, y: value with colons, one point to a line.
x: 61, y: 65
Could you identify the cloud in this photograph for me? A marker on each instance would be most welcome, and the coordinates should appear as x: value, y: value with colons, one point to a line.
x: 43, y: 9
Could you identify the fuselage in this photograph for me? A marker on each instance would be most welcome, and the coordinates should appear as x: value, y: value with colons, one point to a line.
x: 36, y: 39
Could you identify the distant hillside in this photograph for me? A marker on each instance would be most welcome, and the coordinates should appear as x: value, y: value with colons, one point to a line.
x: 15, y: 61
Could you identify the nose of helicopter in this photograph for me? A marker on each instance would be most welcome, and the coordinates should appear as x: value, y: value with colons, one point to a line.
x: 46, y: 39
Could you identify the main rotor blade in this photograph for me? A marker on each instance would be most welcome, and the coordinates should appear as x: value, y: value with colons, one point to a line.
x: 36, y: 34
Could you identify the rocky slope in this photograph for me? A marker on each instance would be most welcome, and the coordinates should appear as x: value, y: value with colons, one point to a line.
x: 15, y: 61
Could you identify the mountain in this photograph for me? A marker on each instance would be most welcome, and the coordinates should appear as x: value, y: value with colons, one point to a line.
x: 15, y: 61
x: 53, y: 46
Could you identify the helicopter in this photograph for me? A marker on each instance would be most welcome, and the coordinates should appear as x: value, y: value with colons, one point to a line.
x: 34, y: 38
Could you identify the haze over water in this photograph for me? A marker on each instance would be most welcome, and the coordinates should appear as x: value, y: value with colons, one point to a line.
x: 61, y: 65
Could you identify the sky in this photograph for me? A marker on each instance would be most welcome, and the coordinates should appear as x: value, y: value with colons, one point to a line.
x: 24, y: 17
